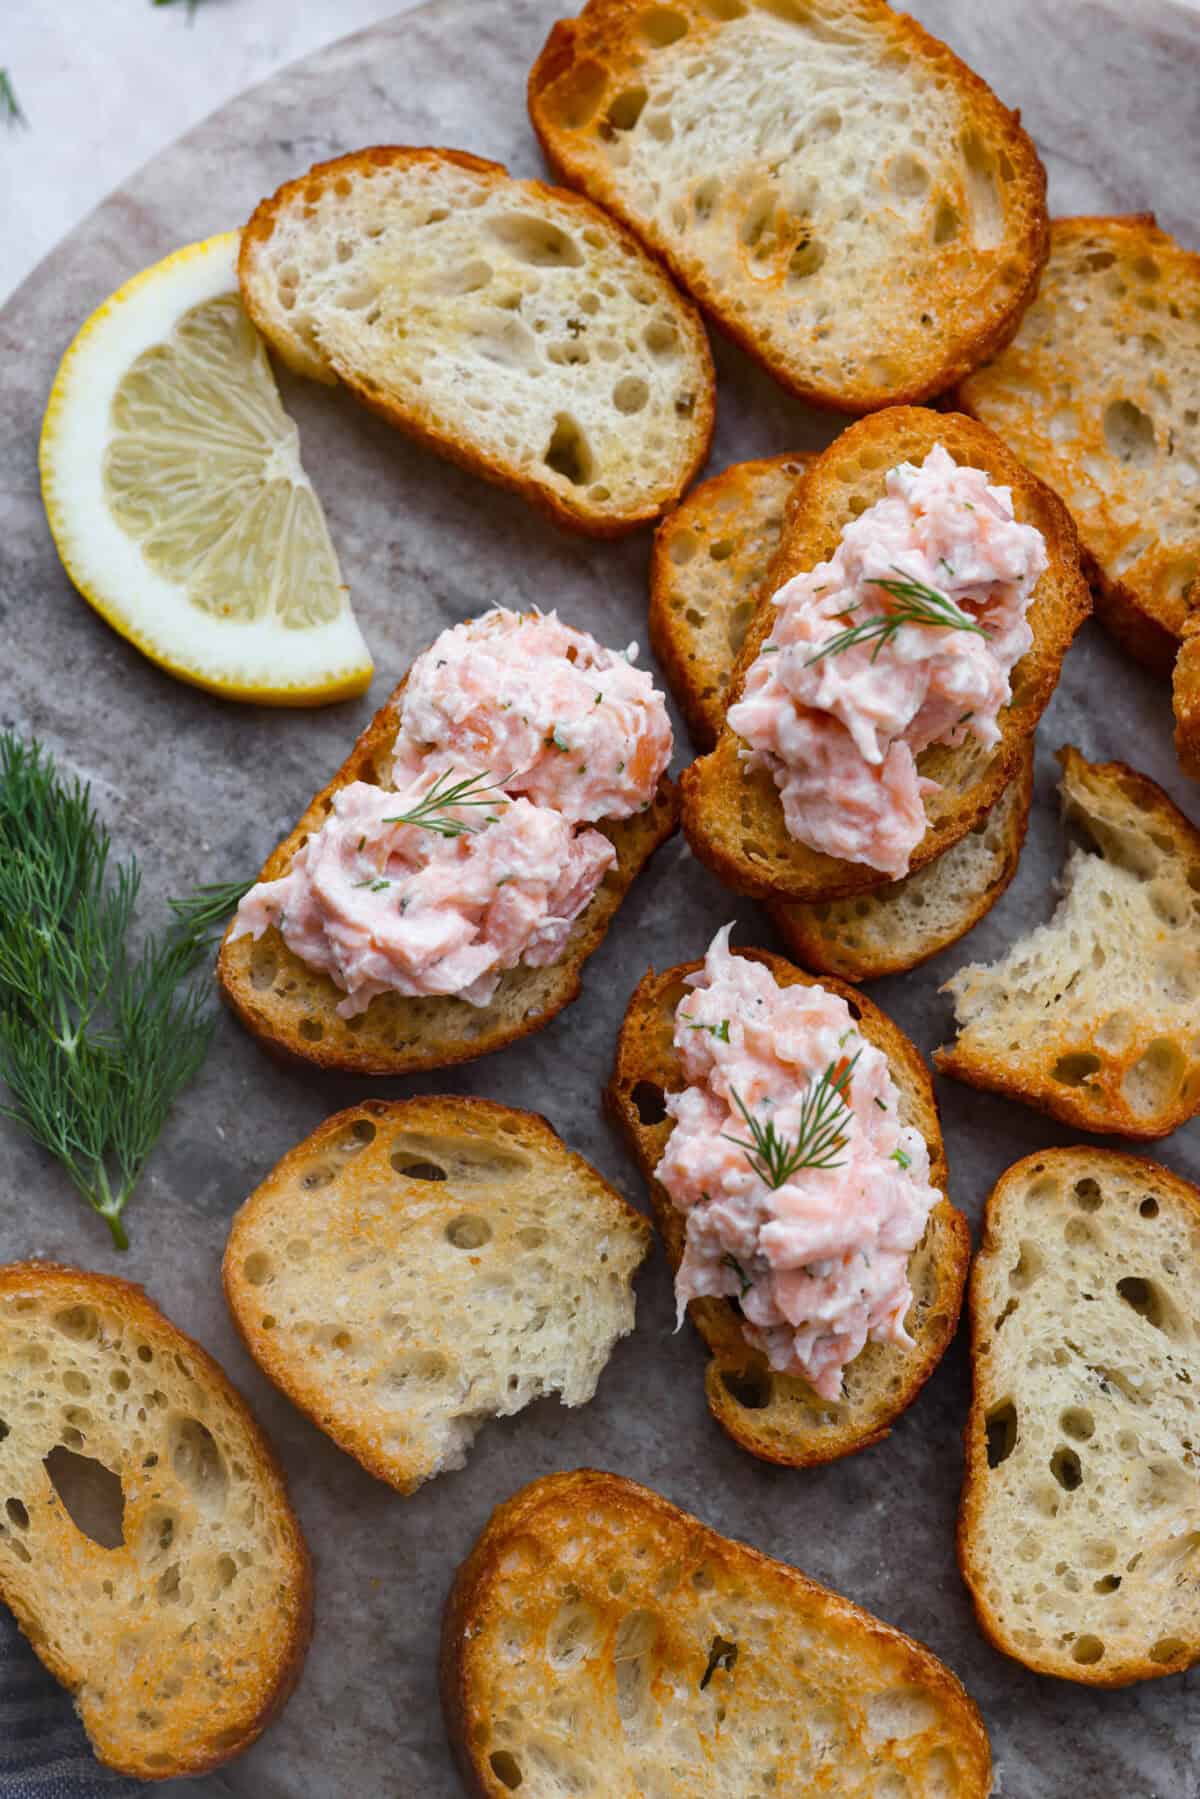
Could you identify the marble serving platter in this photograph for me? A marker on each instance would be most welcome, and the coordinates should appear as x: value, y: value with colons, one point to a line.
x: 201, y: 790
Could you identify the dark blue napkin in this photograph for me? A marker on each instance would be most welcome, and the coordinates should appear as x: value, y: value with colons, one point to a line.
x: 44, y: 1753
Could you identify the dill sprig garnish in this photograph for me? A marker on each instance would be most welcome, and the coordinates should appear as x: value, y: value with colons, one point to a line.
x: 95, y: 1040
x: 191, y: 6
x: 820, y: 1130
x: 10, y: 107
x: 917, y: 605
x: 433, y: 811
x: 203, y: 914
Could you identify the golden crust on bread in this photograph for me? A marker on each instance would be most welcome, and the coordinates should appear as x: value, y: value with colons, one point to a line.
x: 1098, y: 393
x: 1092, y: 1016
x: 775, y: 1416
x: 414, y: 1267
x: 182, y: 1633
x: 734, y: 820
x: 459, y: 304
x: 1079, y: 1518
x: 597, y: 1639
x: 867, y: 253
x: 291, y: 1008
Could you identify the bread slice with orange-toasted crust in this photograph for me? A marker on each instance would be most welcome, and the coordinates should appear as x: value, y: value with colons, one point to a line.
x: 734, y: 819
x: 711, y: 557
x: 776, y: 1416
x: 292, y: 1008
x: 147, y: 1545
x: 1099, y: 394
x: 414, y: 1268
x: 510, y: 326
x: 842, y: 195
x: 599, y: 1640
x: 1186, y: 681
x: 1092, y: 1016
x: 890, y: 929
x: 1079, y: 1528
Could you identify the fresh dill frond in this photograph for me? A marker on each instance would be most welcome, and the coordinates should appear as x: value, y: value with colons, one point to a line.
x: 820, y: 1129
x: 95, y: 1041
x: 191, y: 6
x: 10, y: 107
x: 731, y: 1262
x: 719, y: 1031
x: 433, y: 812
x: 203, y: 914
x: 916, y: 605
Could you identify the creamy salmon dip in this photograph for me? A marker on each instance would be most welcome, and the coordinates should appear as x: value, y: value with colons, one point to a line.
x: 839, y: 724
x: 547, y: 710
x: 804, y: 1193
x: 515, y: 732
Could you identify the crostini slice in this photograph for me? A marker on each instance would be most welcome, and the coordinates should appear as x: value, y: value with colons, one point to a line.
x: 711, y: 557
x: 416, y: 1267
x: 147, y: 1545
x: 599, y: 1640
x: 512, y: 327
x: 1079, y: 1530
x: 775, y: 1416
x: 734, y: 820
x: 1092, y: 1016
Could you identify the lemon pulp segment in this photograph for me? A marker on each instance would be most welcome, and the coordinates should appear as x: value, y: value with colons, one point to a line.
x: 177, y: 498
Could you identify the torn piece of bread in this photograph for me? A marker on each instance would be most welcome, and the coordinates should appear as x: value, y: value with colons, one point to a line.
x: 1092, y: 1017
x: 1099, y: 392
x: 414, y: 1268
x: 733, y: 819
x: 1187, y: 692
x: 1079, y: 1531
x: 147, y: 1545
x: 599, y: 1640
x: 510, y: 326
x: 711, y: 556
x: 291, y: 1008
x: 845, y: 198
x: 893, y: 928
x: 779, y: 1417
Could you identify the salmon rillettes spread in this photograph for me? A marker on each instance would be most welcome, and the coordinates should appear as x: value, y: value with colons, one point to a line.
x: 857, y: 678
x: 516, y: 734
x: 804, y: 1194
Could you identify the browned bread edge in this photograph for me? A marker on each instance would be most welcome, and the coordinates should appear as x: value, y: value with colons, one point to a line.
x: 816, y: 515
x: 645, y: 1056
x: 455, y: 448
x: 635, y: 840
x: 81, y: 1285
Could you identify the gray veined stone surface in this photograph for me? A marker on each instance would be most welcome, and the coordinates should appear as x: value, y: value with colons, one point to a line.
x: 201, y: 790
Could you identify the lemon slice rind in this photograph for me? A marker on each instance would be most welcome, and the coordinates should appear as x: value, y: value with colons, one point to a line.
x: 248, y: 659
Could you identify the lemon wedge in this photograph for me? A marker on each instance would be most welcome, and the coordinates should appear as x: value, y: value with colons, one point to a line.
x: 173, y: 485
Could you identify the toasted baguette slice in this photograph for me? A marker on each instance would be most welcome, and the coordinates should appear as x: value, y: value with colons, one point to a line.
x: 1099, y: 393
x: 1080, y: 1522
x: 147, y: 1545
x: 778, y: 1417
x: 711, y: 555
x: 428, y: 1264
x: 1187, y: 692
x: 293, y: 1009
x: 510, y: 326
x: 599, y: 1640
x: 843, y: 196
x: 1092, y: 1017
x: 894, y: 928
x: 734, y: 820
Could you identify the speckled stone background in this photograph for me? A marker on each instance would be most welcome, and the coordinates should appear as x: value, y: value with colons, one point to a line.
x: 201, y: 790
